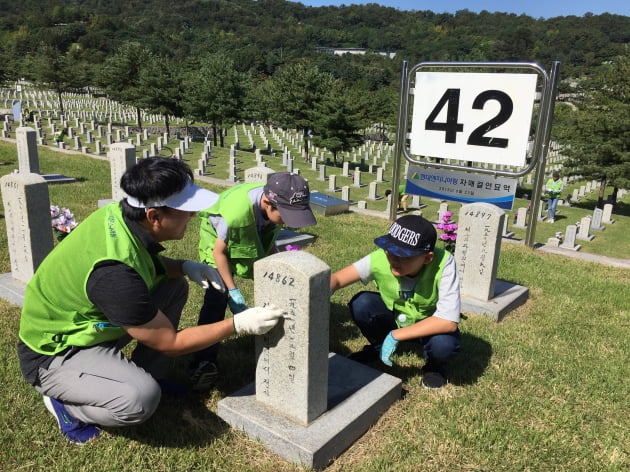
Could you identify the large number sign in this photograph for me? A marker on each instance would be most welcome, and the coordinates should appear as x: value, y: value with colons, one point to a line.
x: 473, y: 116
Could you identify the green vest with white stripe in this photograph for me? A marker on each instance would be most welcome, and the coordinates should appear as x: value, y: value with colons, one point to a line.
x: 57, y: 312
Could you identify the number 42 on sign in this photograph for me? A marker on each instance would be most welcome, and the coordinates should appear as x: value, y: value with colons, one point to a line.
x: 478, y: 117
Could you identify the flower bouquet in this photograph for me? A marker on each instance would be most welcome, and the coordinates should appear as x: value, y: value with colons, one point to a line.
x: 449, y: 234
x: 62, y: 221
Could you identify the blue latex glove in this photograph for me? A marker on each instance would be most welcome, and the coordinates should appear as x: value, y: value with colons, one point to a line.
x: 388, y: 348
x: 236, y: 301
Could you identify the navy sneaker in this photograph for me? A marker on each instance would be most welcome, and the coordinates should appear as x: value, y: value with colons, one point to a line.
x: 433, y: 376
x: 75, y: 431
x: 204, y: 375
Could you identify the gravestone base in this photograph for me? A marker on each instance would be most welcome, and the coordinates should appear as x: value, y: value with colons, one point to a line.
x: 357, y: 396
x: 507, y: 297
x: 590, y: 237
x: 287, y: 236
x: 12, y: 290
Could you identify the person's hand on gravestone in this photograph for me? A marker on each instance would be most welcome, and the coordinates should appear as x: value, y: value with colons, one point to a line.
x: 203, y: 275
x: 257, y: 320
x: 388, y: 348
x: 236, y: 300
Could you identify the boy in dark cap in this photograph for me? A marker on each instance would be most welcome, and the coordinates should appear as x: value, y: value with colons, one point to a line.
x: 418, y: 297
x: 237, y: 231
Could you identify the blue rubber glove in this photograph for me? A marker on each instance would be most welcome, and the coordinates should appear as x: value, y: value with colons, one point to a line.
x: 388, y: 348
x: 236, y: 301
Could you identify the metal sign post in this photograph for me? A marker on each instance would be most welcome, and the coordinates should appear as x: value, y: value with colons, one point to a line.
x: 463, y: 113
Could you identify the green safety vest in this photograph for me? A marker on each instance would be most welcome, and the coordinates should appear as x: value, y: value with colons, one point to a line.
x: 424, y: 301
x: 554, y: 187
x: 245, y: 245
x: 57, y: 312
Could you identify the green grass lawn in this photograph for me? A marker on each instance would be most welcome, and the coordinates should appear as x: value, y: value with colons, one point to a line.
x: 546, y: 389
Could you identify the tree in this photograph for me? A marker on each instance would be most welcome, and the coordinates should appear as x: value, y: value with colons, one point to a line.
x: 297, y: 90
x: 597, y: 134
x: 162, y: 85
x: 53, y: 69
x: 215, y: 93
x: 336, y: 120
x: 120, y: 75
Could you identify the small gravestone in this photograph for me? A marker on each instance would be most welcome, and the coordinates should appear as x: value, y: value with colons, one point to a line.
x: 584, y: 229
x: 307, y: 405
x: 480, y: 227
x: 258, y: 174
x: 607, y: 214
x: 121, y: 156
x: 28, y: 159
x: 345, y: 193
x: 575, y: 196
x: 569, y: 239
x: 29, y: 232
x: 332, y: 183
x: 322, y: 173
x: 596, y: 224
x: 521, y: 218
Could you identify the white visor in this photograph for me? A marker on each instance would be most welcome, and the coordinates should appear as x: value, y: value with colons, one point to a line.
x: 191, y: 198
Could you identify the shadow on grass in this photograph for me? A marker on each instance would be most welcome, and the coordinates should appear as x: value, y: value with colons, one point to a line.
x: 463, y: 369
x: 178, y: 422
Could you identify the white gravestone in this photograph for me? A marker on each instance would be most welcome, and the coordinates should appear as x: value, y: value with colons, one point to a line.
x: 596, y: 224
x: 584, y: 230
x: 27, y: 214
x: 521, y: 218
x: 121, y: 156
x: 28, y: 159
x: 479, y: 232
x: 292, y: 359
x: 607, y: 215
x: 258, y: 174
x: 569, y: 238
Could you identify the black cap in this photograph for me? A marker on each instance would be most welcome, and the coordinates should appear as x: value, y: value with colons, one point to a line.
x: 408, y: 236
x: 290, y: 194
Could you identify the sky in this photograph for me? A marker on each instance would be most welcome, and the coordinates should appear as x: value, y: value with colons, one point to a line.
x: 533, y: 8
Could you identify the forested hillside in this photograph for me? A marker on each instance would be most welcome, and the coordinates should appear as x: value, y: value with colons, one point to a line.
x: 262, y: 35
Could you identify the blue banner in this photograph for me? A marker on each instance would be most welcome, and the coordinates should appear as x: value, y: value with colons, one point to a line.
x: 464, y: 187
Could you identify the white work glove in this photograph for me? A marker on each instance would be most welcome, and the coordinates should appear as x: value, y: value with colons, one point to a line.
x: 257, y: 320
x: 204, y: 275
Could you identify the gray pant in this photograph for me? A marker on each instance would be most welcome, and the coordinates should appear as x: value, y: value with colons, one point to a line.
x: 99, y: 385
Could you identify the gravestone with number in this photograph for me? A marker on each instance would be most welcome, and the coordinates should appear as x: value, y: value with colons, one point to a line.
x: 306, y: 405
x: 29, y: 233
x: 479, y: 233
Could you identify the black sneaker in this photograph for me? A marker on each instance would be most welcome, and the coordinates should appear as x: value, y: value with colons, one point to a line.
x: 204, y: 376
x: 432, y: 377
x: 367, y: 355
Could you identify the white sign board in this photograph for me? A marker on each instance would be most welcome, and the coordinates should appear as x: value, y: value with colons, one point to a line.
x: 478, y: 117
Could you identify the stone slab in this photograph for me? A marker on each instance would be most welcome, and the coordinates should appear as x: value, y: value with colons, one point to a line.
x: 357, y: 396
x: 328, y: 205
x: 287, y: 236
x: 11, y: 290
x: 58, y: 179
x: 507, y: 297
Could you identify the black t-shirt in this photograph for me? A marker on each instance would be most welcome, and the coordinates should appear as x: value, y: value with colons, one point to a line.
x: 117, y: 290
